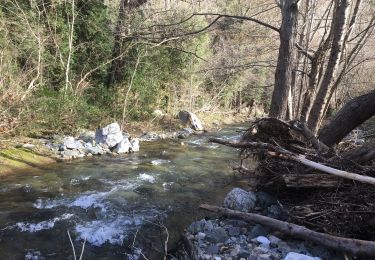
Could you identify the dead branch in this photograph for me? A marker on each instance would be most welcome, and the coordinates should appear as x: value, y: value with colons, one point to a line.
x: 353, y: 246
x: 285, y: 154
x: 310, y: 180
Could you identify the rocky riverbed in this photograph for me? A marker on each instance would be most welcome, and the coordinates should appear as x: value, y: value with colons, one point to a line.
x: 108, y: 140
x: 230, y: 239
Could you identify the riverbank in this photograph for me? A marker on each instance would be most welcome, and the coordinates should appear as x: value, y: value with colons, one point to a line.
x: 18, y: 153
x: 230, y: 239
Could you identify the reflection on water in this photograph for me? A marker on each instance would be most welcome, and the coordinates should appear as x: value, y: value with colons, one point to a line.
x: 106, y: 200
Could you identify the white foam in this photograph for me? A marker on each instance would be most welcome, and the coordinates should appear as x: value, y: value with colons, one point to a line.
x: 146, y: 177
x: 92, y: 200
x: 47, y: 224
x: 113, y: 231
x: 159, y: 161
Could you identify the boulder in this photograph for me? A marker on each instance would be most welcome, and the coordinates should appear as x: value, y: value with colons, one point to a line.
x: 94, y: 150
x: 134, y: 145
x: 296, y: 256
x: 189, y: 118
x: 196, y: 124
x: 123, y: 147
x: 239, y: 199
x: 110, y: 135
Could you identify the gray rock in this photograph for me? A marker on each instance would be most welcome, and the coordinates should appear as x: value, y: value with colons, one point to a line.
x: 265, y: 200
x: 217, y: 235
x: 93, y: 150
x: 67, y: 154
x: 257, y: 230
x: 296, y: 256
x: 273, y: 240
x: 87, y: 136
x: 191, y: 119
x: 71, y: 143
x: 200, y: 226
x: 213, y: 250
x: 244, y: 253
x: 123, y: 147
x: 265, y: 257
x: 239, y: 199
x: 234, y: 231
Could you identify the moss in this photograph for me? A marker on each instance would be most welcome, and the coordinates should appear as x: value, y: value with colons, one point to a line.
x: 14, y: 159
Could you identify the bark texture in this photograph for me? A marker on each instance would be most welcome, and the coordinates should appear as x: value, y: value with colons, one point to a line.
x: 351, y: 115
x: 283, y: 73
x: 338, y: 29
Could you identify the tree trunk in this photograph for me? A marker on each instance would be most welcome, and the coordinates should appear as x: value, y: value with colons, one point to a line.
x: 284, y: 68
x: 351, y: 115
x: 116, y: 70
x: 338, y: 25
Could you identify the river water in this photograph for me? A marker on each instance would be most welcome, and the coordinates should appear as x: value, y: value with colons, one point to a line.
x: 107, y: 200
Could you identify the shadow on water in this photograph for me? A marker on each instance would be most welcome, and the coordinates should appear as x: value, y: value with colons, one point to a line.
x: 107, y: 200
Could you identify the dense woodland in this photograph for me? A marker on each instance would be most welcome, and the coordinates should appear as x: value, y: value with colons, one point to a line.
x: 68, y: 64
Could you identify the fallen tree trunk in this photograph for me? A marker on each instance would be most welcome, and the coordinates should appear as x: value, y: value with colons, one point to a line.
x: 353, y: 246
x: 351, y: 115
x: 283, y: 153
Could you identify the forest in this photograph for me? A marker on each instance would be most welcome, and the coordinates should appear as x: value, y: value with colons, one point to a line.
x: 71, y: 64
x: 295, y: 77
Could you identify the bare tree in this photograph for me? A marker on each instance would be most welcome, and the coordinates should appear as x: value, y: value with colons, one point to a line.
x: 285, y: 61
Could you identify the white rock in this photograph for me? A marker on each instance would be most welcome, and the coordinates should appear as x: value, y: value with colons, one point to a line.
x: 110, y: 135
x: 71, y: 143
x: 195, y: 122
x: 28, y: 146
x: 157, y: 113
x: 201, y: 235
x: 134, y: 145
x: 113, y: 128
x: 123, y: 147
x: 296, y: 256
x: 263, y: 240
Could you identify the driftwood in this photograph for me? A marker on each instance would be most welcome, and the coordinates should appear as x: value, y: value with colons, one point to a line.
x: 283, y: 153
x: 310, y: 180
x: 353, y: 246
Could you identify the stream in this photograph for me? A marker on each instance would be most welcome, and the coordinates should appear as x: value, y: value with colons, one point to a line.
x: 107, y: 200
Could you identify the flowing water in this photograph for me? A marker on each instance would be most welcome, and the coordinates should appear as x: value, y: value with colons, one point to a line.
x: 107, y: 200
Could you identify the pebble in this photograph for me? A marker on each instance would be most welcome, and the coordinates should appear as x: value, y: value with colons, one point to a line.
x: 262, y: 240
x: 201, y: 235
